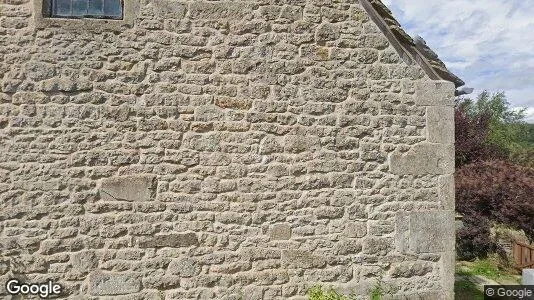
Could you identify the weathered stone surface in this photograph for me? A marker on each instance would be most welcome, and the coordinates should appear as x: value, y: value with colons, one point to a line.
x: 301, y: 259
x: 106, y: 284
x: 355, y: 229
x: 174, y: 240
x: 447, y: 266
x: 84, y: 261
x: 326, y: 32
x: 221, y: 149
x: 280, y: 232
x: 129, y: 188
x: 167, y: 9
x: 411, y: 269
x: 446, y: 191
x: 434, y: 93
x: 440, y: 124
x: 377, y: 246
x: 425, y: 231
x: 184, y: 267
x: 219, y: 10
x: 297, y: 143
x: 424, y: 158
x: 432, y: 231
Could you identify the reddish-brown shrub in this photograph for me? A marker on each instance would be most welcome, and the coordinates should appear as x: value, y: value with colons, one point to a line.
x: 473, y: 238
x: 498, y: 191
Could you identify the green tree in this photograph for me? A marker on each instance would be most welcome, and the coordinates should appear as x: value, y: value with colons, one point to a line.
x: 507, y: 128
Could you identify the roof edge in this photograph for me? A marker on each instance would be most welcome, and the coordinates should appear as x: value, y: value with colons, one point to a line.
x: 410, y: 50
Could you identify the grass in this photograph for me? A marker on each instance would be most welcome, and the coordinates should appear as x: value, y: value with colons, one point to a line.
x: 317, y: 293
x: 376, y: 293
x: 467, y: 290
x: 493, y: 268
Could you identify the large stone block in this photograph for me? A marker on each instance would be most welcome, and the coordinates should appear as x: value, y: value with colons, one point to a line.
x: 425, y: 232
x: 167, y: 9
x: 302, y: 259
x: 280, y: 232
x: 174, y: 240
x: 184, y: 267
x: 447, y: 267
x: 129, y: 188
x: 104, y: 284
x: 434, y: 93
x: 355, y: 229
x: 300, y: 143
x: 220, y: 10
x: 377, y: 245
x: 422, y: 159
x: 326, y: 32
x: 84, y: 261
x: 440, y: 124
x: 446, y: 191
x: 411, y: 269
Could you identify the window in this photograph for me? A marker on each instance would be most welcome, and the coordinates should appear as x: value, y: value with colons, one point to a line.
x: 86, y: 15
x: 99, y: 9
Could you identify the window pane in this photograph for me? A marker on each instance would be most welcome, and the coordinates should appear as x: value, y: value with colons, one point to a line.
x: 79, y: 7
x: 86, y: 8
x: 112, y: 8
x: 96, y: 8
x: 61, y: 8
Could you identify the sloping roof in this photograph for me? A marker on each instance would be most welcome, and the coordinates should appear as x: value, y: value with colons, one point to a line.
x: 410, y: 50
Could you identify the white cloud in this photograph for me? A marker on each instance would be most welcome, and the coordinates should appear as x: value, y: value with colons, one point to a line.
x: 487, y: 43
x: 530, y: 114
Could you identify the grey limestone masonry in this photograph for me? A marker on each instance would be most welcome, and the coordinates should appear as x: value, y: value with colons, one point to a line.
x: 245, y: 149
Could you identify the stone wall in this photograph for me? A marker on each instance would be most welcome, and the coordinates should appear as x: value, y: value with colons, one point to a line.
x: 221, y: 150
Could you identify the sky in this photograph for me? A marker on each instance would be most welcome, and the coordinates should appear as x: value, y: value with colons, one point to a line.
x: 487, y: 43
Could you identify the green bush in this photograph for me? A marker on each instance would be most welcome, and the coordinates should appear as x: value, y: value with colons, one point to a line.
x: 317, y: 293
x: 523, y: 157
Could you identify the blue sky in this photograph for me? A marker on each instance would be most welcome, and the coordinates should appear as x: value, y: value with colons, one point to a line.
x: 487, y: 43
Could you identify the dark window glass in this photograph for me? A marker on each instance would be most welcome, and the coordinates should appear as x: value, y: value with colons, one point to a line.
x: 79, y: 8
x: 112, y: 8
x: 61, y: 7
x: 85, y: 8
x: 96, y: 7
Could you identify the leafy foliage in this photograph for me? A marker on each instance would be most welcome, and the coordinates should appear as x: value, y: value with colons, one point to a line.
x: 506, y: 129
x: 473, y: 239
x: 523, y: 157
x: 471, y: 133
x: 492, y: 140
x: 495, y: 190
x: 528, y: 130
x: 317, y: 293
x: 376, y: 293
x: 488, y: 128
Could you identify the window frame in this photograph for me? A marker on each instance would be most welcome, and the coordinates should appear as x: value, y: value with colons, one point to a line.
x: 43, y: 18
x: 48, y: 12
